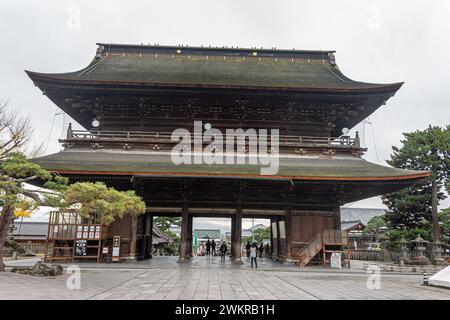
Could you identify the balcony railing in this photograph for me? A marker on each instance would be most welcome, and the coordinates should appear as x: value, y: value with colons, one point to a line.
x: 162, y: 140
x: 166, y: 136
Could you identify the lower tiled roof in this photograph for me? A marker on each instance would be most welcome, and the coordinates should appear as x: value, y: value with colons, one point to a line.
x: 118, y: 162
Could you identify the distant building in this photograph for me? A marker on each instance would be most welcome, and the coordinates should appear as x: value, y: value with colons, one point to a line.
x: 31, y: 236
x: 353, y: 227
x: 159, y: 237
x: 205, y: 234
x: 257, y: 227
x: 360, y: 214
x: 176, y: 230
x: 245, y: 233
x: 354, y: 221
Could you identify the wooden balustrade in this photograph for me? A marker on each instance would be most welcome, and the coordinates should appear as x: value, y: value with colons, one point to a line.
x: 79, y: 137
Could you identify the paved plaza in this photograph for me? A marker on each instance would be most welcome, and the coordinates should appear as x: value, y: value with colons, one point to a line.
x: 208, y: 278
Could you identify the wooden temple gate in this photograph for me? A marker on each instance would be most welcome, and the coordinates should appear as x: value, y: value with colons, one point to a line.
x: 132, y: 97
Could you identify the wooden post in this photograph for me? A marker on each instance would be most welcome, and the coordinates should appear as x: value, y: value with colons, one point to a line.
x: 287, y: 230
x: 324, y: 250
x: 237, y: 244
x: 150, y: 244
x: 233, y: 227
x: 278, y: 240
x: 189, y: 236
x: 133, y: 231
x: 184, y: 233
x: 148, y: 236
x: 272, y: 243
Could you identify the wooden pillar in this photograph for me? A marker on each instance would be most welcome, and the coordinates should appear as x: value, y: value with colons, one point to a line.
x: 272, y: 240
x: 189, y: 236
x: 277, y: 239
x: 150, y: 234
x: 337, y: 221
x: 237, y: 238
x: 288, y: 231
x: 233, y: 227
x: 133, y: 234
x: 184, y: 233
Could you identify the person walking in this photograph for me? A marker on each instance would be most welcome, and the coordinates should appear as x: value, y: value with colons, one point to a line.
x: 261, y: 250
x: 213, y: 248
x: 208, y: 248
x: 253, y: 254
x: 267, y: 251
x: 247, y: 249
x: 223, y: 251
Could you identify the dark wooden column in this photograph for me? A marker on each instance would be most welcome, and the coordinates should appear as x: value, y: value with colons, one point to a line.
x: 276, y: 245
x: 288, y: 231
x: 150, y: 235
x: 237, y: 236
x: 184, y: 233
x: 272, y: 240
x: 189, y: 236
x: 233, y: 227
x: 337, y: 211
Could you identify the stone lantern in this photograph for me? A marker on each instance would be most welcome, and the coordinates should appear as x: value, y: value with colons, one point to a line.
x: 420, y: 246
x: 437, y: 253
x: 403, y: 244
x: 383, y: 239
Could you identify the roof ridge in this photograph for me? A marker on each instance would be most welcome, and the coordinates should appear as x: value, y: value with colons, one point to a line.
x: 104, y: 48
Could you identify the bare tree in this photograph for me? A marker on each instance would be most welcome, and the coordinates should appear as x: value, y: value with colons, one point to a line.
x: 15, y: 171
x: 15, y: 131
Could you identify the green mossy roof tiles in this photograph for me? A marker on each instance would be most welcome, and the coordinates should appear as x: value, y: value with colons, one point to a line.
x: 136, y: 163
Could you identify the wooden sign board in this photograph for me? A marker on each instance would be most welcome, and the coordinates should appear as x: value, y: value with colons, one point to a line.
x: 81, y: 248
x: 116, y: 249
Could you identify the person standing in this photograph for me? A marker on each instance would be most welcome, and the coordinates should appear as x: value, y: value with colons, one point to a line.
x: 253, y: 254
x: 213, y: 248
x: 223, y: 251
x: 208, y: 248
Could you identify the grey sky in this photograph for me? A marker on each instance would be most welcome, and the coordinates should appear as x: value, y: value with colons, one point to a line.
x: 376, y: 41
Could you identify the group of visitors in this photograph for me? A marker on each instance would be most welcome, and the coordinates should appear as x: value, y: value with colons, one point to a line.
x: 253, y: 251
x: 263, y: 251
x: 211, y: 249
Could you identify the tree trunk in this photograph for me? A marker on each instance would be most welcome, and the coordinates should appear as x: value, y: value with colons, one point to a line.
x: 6, y: 219
x: 434, y: 212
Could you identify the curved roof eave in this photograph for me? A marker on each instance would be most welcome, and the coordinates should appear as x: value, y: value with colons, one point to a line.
x: 151, y: 164
x: 57, y: 80
x: 417, y: 176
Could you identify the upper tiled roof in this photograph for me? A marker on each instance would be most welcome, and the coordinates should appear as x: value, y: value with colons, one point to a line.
x: 215, y: 68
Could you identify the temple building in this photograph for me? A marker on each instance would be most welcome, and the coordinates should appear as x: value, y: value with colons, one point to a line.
x: 131, y: 98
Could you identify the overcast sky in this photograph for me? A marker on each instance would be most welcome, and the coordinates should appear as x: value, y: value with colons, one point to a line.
x: 376, y: 41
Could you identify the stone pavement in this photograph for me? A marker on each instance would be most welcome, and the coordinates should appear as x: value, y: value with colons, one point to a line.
x: 207, y: 278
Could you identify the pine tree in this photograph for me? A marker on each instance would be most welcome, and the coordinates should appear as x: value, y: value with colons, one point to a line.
x: 416, y: 206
